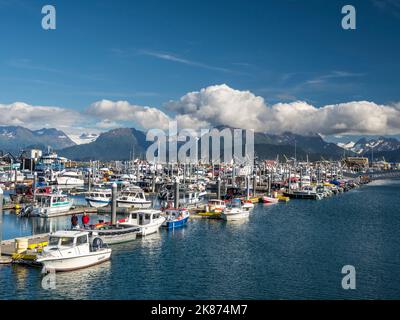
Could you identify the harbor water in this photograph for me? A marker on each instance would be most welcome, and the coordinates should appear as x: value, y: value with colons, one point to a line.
x: 293, y: 250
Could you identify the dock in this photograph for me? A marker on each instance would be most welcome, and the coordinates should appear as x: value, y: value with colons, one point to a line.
x: 8, y: 246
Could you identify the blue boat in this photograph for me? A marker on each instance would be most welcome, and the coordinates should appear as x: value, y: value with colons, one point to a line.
x: 175, y: 218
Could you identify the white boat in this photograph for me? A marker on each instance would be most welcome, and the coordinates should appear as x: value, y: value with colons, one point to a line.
x: 71, y: 250
x: 99, y: 198
x: 133, y: 197
x: 248, y: 205
x: 148, y: 221
x: 234, y: 211
x: 215, y: 205
x: 70, y: 178
x: 48, y: 204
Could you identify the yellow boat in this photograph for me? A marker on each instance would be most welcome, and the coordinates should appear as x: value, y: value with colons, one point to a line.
x: 283, y: 198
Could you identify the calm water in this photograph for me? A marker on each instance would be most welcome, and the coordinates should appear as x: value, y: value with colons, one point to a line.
x: 285, y: 251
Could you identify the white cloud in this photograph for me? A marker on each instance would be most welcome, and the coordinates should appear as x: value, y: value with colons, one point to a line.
x: 146, y: 117
x: 36, y: 117
x: 212, y: 106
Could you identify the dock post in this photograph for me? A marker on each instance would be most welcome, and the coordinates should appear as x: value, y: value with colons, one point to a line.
x: 219, y: 188
x: 34, y: 186
x: 233, y: 176
x: 153, y: 183
x: 247, y: 187
x: 254, y: 185
x: 114, y: 204
x: 176, y: 195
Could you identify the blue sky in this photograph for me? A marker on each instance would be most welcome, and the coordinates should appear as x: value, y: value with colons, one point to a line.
x: 150, y: 52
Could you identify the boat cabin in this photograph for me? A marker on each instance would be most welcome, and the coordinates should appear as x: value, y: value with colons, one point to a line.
x: 142, y: 217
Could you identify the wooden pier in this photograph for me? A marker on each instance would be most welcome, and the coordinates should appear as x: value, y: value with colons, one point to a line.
x: 8, y: 246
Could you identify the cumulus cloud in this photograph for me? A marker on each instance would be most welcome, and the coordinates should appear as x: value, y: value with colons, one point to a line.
x: 37, y: 117
x: 213, y: 106
x: 222, y: 105
x: 146, y: 117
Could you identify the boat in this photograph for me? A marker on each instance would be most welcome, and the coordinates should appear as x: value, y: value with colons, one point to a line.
x: 234, y: 211
x: 266, y: 199
x: 49, y: 204
x: 147, y: 220
x: 113, y: 234
x: 99, y: 198
x: 216, y: 205
x: 306, y: 192
x: 175, y: 218
x: 72, y: 250
x: 70, y: 178
x: 247, y: 205
x: 133, y: 197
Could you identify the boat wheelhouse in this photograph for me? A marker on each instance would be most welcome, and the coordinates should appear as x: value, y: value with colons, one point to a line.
x: 147, y: 220
x: 99, y: 198
x: 133, y: 197
x: 49, y: 204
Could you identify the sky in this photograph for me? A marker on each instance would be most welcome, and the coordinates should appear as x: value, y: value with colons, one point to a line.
x: 271, y: 66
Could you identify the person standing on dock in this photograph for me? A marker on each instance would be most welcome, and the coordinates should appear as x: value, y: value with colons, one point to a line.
x: 74, y: 221
x: 85, y: 220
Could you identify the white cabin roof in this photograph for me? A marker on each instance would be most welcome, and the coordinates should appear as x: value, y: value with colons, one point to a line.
x: 69, y: 234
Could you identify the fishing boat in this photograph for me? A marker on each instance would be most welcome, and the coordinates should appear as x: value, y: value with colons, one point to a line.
x: 247, y: 205
x: 99, y: 198
x: 215, y: 205
x: 266, y: 199
x: 306, y: 192
x: 175, y: 218
x: 234, y: 211
x: 113, y: 234
x: 49, y: 204
x: 133, y: 197
x: 71, y: 250
x: 70, y: 178
x: 148, y: 221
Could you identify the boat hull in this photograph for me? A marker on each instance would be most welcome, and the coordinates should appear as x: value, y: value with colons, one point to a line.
x: 235, y: 216
x: 98, y: 203
x: 74, y: 263
x: 116, y: 236
x: 48, y: 212
x: 175, y: 223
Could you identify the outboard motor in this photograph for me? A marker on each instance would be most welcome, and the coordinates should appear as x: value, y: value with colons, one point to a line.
x: 97, y: 244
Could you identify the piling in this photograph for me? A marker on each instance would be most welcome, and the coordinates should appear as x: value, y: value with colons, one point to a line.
x: 34, y: 186
x: 254, y: 185
x: 219, y: 188
x: 114, y: 204
x: 153, y: 182
x: 247, y: 187
x: 176, y: 195
x: 233, y: 176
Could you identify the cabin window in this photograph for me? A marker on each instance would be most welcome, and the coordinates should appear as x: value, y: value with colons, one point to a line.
x: 66, y: 241
x: 81, y: 240
x: 134, y: 216
x: 147, y: 217
x: 53, y: 241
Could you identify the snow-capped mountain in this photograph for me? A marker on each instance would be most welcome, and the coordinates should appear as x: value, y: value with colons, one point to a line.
x: 83, y: 138
x: 364, y: 146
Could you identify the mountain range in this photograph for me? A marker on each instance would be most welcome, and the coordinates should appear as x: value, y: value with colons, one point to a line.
x: 127, y: 143
x: 16, y: 138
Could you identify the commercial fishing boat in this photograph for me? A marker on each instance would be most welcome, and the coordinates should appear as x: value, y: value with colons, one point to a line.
x: 99, y: 198
x: 70, y: 178
x: 215, y: 205
x: 133, y: 197
x: 234, y: 211
x: 175, y: 218
x: 49, y: 204
x: 148, y: 221
x: 71, y: 250
x: 113, y: 234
